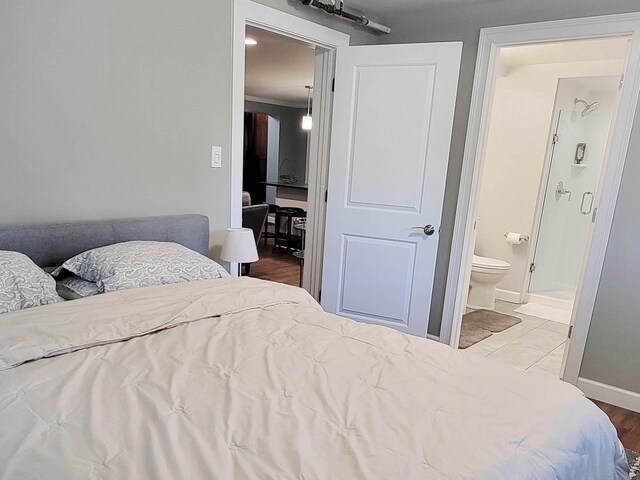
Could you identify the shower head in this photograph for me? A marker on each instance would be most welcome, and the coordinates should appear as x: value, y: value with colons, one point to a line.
x: 588, y: 107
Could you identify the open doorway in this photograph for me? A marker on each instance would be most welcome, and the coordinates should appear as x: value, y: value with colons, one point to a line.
x: 549, y: 129
x: 279, y: 75
x: 322, y: 43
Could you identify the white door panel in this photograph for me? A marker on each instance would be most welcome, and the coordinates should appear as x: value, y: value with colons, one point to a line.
x: 393, y: 114
x: 386, y: 302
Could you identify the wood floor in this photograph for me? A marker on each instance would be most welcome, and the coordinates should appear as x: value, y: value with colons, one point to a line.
x: 282, y: 267
x: 627, y: 424
x: 279, y: 267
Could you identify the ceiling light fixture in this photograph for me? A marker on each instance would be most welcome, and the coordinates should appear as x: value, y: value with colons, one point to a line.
x: 307, y: 120
x: 250, y: 41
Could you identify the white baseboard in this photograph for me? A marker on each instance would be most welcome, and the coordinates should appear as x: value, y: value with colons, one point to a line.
x: 508, y: 296
x: 433, y: 337
x: 610, y: 394
x: 550, y: 301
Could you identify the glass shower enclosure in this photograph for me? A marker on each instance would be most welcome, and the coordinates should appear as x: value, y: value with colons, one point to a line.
x: 580, y: 143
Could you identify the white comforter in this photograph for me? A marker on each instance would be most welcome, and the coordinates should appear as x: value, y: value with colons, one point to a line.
x: 241, y: 378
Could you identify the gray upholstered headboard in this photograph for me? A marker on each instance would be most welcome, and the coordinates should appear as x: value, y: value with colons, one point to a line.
x: 50, y: 244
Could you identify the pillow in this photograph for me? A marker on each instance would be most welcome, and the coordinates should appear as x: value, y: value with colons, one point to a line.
x: 23, y: 284
x: 141, y: 264
x: 73, y: 287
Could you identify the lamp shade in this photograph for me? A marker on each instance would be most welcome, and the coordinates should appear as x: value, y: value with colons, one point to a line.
x: 307, y: 122
x: 239, y: 246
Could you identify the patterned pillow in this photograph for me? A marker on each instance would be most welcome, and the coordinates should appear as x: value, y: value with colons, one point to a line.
x: 72, y: 287
x: 141, y: 264
x: 23, y: 284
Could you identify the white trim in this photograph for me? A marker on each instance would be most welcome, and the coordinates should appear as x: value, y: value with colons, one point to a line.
x: 491, y: 40
x: 508, y: 296
x: 459, y: 261
x: 609, y: 394
x: 541, y: 299
x: 433, y: 337
x: 270, y: 101
x: 246, y: 12
x: 318, y: 180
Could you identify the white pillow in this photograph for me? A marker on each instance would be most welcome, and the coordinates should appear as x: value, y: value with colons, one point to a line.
x: 141, y: 264
x: 23, y: 284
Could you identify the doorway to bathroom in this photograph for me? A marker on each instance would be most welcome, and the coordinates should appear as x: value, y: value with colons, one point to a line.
x: 549, y: 119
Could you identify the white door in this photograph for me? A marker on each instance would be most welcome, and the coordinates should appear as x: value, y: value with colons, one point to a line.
x: 392, y: 121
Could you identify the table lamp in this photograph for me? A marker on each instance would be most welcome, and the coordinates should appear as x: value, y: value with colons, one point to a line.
x: 239, y: 246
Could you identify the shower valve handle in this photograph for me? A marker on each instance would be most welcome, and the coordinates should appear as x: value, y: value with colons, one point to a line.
x: 560, y: 191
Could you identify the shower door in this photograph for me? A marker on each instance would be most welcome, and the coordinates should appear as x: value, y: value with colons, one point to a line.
x: 579, y: 149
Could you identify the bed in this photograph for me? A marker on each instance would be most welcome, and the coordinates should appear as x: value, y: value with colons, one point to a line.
x: 240, y: 378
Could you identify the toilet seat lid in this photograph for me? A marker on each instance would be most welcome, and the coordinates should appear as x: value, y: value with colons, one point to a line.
x: 488, y: 262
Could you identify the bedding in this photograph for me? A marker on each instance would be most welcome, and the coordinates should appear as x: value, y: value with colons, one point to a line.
x: 140, y: 264
x: 72, y: 287
x: 23, y: 284
x: 246, y: 379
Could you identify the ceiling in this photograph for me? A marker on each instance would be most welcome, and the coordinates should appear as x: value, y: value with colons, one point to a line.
x: 605, y: 83
x: 564, y: 52
x: 371, y: 7
x: 278, y: 68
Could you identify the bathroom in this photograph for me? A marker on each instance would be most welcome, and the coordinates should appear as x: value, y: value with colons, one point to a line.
x: 551, y: 117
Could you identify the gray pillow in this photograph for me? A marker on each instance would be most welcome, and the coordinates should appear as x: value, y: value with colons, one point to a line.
x: 23, y: 284
x: 141, y: 264
x: 72, y: 287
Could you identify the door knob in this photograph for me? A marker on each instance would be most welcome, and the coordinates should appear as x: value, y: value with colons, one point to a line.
x: 428, y: 230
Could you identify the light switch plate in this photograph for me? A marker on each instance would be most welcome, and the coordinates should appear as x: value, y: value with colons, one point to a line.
x: 216, y: 157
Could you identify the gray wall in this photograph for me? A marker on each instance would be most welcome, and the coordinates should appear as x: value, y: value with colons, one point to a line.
x: 109, y: 109
x: 617, y: 306
x: 293, y: 140
x: 612, y: 355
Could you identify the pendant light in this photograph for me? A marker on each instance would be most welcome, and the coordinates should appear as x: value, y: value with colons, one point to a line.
x: 307, y: 120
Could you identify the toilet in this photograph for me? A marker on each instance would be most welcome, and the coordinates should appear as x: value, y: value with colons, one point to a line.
x: 486, y: 273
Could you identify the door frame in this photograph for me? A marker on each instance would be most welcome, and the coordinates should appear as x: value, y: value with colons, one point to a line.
x: 491, y: 40
x: 247, y: 12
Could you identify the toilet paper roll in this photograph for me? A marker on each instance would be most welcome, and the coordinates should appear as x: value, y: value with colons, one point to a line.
x: 514, y: 238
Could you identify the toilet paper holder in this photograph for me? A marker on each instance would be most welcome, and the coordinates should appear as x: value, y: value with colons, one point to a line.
x: 524, y: 238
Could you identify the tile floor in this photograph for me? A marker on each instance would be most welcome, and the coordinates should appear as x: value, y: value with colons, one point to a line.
x: 535, y: 344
